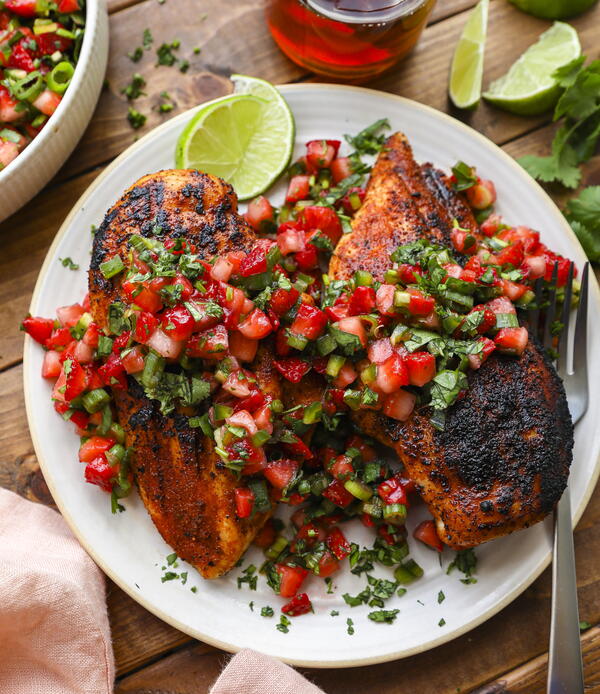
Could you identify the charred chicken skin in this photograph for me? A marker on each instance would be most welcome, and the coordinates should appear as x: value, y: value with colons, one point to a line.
x: 502, y: 461
x: 187, y: 491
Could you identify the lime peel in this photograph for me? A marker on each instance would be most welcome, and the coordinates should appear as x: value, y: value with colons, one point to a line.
x: 246, y: 139
x: 466, y: 72
x: 528, y: 88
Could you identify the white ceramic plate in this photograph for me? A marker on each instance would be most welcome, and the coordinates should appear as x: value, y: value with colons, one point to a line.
x: 130, y: 550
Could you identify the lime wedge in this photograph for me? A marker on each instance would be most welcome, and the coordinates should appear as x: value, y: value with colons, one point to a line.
x: 245, y: 139
x: 553, y: 9
x: 467, y: 64
x: 528, y: 88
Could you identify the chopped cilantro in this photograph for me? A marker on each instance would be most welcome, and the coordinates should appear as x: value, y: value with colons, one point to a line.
x: 147, y: 39
x: 251, y: 605
x: 283, y: 625
x: 134, y: 89
x: 442, y: 622
x: 350, y: 629
x: 383, y: 616
x: 171, y: 559
x: 584, y: 626
x: 441, y: 597
x: 465, y: 561
x: 136, y: 55
x: 135, y: 118
x: 248, y: 577
x: 169, y: 576
x: 164, y: 53
x: 267, y: 611
x: 67, y: 262
x: 334, y: 613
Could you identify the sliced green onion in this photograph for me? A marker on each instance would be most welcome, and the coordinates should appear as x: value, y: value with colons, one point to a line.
x: 403, y: 575
x: 369, y: 374
x: 391, y: 277
x: 58, y: 80
x: 65, y: 33
x: 413, y: 567
x: 394, y: 513
x: 352, y: 398
x: 115, y: 455
x: 106, y: 422
x: 362, y: 278
x: 221, y: 412
x: 203, y: 424
x: 95, y: 400
x: 153, y: 368
x: 358, y: 489
x: 44, y: 26
x: 400, y: 333
x: 326, y: 344
x: 401, y: 299
x: 277, y: 547
x: 373, y: 507
x: 118, y: 432
x: 334, y: 365
x: 296, y: 341
x: 28, y: 88
x: 312, y: 413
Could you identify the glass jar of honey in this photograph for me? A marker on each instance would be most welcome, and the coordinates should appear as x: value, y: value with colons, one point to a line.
x: 347, y: 39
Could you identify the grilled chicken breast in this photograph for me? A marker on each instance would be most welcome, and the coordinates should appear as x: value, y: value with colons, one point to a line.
x: 187, y: 491
x: 502, y: 461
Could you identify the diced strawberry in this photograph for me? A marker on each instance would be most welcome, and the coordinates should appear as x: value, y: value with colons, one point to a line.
x: 338, y: 494
x: 420, y: 304
x: 256, y: 325
x: 166, y: 346
x: 47, y: 102
x: 399, y: 405
x: 328, y: 565
x: 307, y: 259
x: 513, y: 290
x: 140, y: 295
x: 491, y: 225
x: 392, y: 374
x: 290, y: 579
x: 341, y: 468
x: 291, y: 240
x: 23, y: 8
x: 346, y: 375
x: 68, y: 6
x: 100, y: 473
x: 481, y: 195
x: 237, y: 384
x: 512, y: 340
x: 324, y: 219
x: 463, y: 241
x: 341, y: 168
x: 354, y: 326
x: 380, y: 350
x: 298, y: 189
x: 281, y: 472
x: 51, y: 366
x: 309, y: 322
x: 209, y: 344
x: 259, y: 211
x: 385, y: 299
x: 476, y: 360
x: 69, y: 315
x: 133, y: 361
x: 292, y: 369
x: 362, y: 301
x: 536, y: 265
x: 319, y: 154
x: 112, y: 372
x: 282, y: 300
x: 145, y: 325
x: 95, y: 447
x: 426, y: 533
x: 39, y: 329
x: 255, y: 261
x: 300, y: 604
x: 392, y: 491
x: 421, y: 367
x: 501, y: 305
x: 511, y: 255
x: 244, y: 501
x: 338, y: 544
x: 241, y: 347
x: 76, y: 381
x: 178, y: 323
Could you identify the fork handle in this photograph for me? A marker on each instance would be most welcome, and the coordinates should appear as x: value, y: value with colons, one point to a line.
x: 565, y: 667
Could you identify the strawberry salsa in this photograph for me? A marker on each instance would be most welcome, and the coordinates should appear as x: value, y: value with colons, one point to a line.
x: 39, y: 47
x: 188, y: 329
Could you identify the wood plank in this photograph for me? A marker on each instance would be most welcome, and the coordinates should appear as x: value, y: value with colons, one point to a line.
x: 447, y: 8
x: 196, y: 23
x: 519, y: 632
x: 424, y: 74
x: 531, y: 677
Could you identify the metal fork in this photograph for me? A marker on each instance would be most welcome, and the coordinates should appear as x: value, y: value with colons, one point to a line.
x: 565, y: 666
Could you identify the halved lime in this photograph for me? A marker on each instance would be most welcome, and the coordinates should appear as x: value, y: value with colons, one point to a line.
x: 467, y: 64
x: 553, y: 9
x: 245, y: 139
x: 528, y: 88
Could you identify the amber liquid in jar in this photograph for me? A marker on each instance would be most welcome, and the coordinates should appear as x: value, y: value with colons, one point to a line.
x: 347, y: 39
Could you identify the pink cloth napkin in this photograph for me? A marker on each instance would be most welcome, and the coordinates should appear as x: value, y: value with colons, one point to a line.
x: 54, y: 631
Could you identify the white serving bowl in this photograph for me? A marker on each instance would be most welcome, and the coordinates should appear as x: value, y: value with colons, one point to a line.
x: 41, y: 159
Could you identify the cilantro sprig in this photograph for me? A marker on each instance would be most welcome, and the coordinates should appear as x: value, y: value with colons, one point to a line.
x: 576, y: 140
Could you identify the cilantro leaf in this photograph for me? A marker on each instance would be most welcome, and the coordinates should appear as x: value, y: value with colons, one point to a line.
x: 589, y: 241
x: 368, y: 141
x: 585, y: 208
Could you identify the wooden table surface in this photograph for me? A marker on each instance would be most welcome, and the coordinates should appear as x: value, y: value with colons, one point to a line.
x: 506, y: 654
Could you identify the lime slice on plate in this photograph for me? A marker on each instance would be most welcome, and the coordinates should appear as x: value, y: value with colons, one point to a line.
x: 528, y: 88
x: 467, y: 64
x: 245, y: 139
